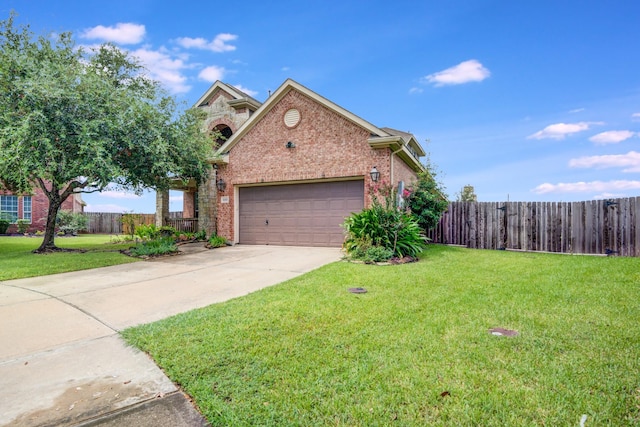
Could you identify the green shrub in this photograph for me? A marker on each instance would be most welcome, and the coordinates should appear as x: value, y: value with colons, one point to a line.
x: 168, y: 231
x: 4, y: 225
x: 23, y: 225
x: 70, y: 223
x: 217, y: 241
x: 186, y: 236
x: 118, y: 239
x: 200, y: 235
x: 161, y: 246
x: 384, y: 225
x: 378, y: 254
x: 147, y: 231
x: 426, y: 201
x: 371, y: 254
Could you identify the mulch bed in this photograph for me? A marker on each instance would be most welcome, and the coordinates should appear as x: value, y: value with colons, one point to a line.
x: 392, y: 261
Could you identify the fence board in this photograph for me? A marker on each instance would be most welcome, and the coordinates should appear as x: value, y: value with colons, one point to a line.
x: 111, y: 222
x: 588, y: 227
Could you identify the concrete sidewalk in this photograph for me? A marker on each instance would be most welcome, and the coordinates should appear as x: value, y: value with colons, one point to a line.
x: 62, y: 361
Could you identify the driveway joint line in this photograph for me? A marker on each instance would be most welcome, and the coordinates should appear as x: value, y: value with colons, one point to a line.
x: 55, y: 349
x: 59, y: 299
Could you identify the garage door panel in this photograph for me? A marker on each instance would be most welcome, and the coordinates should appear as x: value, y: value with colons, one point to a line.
x: 298, y: 214
x: 305, y: 222
x: 304, y: 205
x: 354, y: 205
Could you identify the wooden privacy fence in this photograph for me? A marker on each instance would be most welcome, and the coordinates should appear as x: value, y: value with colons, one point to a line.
x: 607, y: 227
x: 111, y: 223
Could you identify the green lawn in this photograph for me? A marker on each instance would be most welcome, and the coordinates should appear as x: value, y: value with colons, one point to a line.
x: 18, y: 261
x: 415, y: 350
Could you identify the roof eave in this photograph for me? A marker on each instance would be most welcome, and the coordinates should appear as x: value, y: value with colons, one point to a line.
x: 251, y: 104
x: 410, y: 160
x: 220, y: 159
x: 230, y: 90
x: 392, y: 141
x: 399, y: 147
x: 416, y: 146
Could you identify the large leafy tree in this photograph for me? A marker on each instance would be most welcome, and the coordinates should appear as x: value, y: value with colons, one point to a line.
x: 426, y: 199
x: 77, y: 121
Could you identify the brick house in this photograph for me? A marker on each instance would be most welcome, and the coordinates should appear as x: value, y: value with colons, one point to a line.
x: 291, y: 169
x: 34, y: 208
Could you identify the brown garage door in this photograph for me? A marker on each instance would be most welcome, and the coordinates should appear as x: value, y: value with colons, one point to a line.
x: 298, y: 214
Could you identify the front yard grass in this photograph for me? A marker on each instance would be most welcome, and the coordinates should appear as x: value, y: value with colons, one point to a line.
x: 415, y: 350
x: 17, y: 260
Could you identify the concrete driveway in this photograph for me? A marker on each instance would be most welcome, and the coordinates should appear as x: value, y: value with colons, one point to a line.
x: 62, y: 361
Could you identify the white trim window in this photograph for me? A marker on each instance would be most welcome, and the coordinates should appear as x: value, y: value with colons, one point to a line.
x: 9, y: 208
x: 26, y: 208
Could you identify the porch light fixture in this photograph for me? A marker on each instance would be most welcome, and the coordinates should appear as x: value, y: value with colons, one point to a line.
x: 221, y: 184
x: 290, y: 145
x: 375, y: 175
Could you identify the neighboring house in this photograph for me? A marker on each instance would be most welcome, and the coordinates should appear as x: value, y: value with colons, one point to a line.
x: 290, y: 170
x: 34, y: 208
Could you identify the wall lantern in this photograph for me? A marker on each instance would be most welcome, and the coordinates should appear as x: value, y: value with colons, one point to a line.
x: 290, y: 145
x: 375, y: 175
x: 221, y: 184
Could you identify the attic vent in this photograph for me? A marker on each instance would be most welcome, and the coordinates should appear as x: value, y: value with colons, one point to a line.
x: 291, y: 118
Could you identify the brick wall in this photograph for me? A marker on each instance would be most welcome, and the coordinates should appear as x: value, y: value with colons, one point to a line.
x: 40, y: 207
x: 328, y: 146
x: 402, y: 172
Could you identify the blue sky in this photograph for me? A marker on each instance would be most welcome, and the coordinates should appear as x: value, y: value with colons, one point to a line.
x: 530, y: 101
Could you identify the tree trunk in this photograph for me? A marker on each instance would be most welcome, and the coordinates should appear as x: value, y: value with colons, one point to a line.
x: 55, y: 202
x: 56, y: 197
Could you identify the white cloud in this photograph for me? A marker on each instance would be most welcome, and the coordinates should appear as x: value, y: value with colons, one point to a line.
x: 584, y: 187
x: 218, y: 44
x: 211, y: 73
x: 162, y: 67
x: 464, y: 72
x: 577, y: 110
x: 635, y: 117
x: 106, y: 208
x: 630, y: 162
x: 603, y: 196
x: 245, y: 90
x: 119, y: 195
x: 177, y: 198
x: 611, y: 137
x: 561, y: 130
x: 122, y: 33
x: 415, y: 90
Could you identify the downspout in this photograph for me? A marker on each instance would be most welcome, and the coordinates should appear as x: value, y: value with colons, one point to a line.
x: 393, y: 153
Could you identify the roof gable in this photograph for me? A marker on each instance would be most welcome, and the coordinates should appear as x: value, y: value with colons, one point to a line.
x: 285, y: 88
x: 402, y: 144
x: 239, y: 97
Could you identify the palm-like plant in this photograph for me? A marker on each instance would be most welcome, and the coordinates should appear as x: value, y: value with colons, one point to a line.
x: 384, y: 225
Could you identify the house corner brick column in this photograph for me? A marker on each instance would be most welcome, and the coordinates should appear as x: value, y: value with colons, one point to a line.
x: 162, y: 207
x: 188, y: 204
x: 207, y: 194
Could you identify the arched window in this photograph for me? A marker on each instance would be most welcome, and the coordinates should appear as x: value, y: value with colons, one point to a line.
x: 221, y: 133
